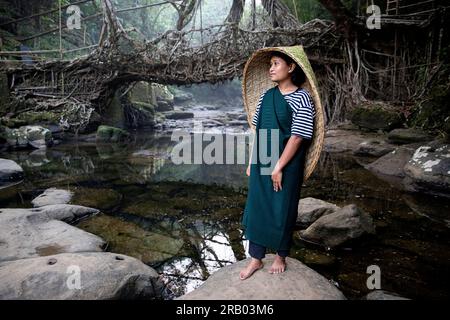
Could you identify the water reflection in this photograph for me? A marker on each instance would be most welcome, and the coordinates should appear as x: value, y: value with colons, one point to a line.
x: 214, y: 251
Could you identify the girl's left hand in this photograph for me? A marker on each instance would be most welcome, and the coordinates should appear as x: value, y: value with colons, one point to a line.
x: 277, y: 176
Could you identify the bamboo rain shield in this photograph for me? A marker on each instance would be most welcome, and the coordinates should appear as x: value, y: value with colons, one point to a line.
x: 269, y: 216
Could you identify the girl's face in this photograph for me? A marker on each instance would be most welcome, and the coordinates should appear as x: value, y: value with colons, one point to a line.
x: 279, y: 69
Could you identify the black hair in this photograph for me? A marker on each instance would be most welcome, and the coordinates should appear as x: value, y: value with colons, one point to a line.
x: 298, y: 77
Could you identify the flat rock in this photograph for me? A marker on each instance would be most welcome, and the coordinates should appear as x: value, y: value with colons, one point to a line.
x: 298, y: 282
x: 311, y: 209
x: 26, y: 233
x: 103, y: 276
x: 336, y: 228
x: 52, y: 196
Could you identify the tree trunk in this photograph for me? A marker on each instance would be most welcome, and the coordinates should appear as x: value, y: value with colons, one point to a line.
x: 235, y: 14
x: 280, y: 14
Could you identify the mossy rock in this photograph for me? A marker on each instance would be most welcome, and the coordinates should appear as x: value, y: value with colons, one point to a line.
x: 12, y: 122
x: 111, y: 134
x: 376, y: 117
x: 162, y: 92
x: 33, y: 117
x: 144, y: 106
x: 142, y: 92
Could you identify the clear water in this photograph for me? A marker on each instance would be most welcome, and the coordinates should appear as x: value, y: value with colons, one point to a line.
x: 183, y: 220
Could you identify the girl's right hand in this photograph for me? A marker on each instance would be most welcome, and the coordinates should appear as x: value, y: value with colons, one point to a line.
x: 248, y: 171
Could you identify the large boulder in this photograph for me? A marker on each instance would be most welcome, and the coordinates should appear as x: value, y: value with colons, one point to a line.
x: 391, y: 164
x: 143, y: 115
x: 311, y: 209
x: 52, y: 196
x: 428, y: 171
x: 142, y: 92
x: 375, y: 117
x: 26, y: 136
x: 337, y: 228
x: 26, y: 233
x: 102, y: 276
x: 10, y: 172
x: 298, y: 282
x: 410, y: 135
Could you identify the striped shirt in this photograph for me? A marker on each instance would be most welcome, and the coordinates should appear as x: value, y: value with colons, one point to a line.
x: 303, y: 112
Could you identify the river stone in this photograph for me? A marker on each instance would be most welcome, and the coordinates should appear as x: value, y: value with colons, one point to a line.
x: 26, y: 233
x: 410, y: 135
x: 391, y: 164
x: 428, y: 171
x: 103, y: 276
x: 383, y: 295
x: 10, y: 172
x: 338, y: 227
x: 374, y: 148
x: 311, y: 209
x: 298, y: 282
x: 52, y: 196
x: 35, y: 136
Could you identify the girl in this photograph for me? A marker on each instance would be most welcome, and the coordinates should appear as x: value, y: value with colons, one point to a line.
x: 271, y: 208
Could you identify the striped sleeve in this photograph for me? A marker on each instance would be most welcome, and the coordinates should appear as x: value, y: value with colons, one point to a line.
x: 256, y: 115
x: 303, y: 115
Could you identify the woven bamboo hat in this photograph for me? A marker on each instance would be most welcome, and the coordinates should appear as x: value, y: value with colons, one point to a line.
x: 256, y: 80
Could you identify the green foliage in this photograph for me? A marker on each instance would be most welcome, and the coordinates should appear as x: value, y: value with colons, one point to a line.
x: 307, y: 10
x: 433, y: 112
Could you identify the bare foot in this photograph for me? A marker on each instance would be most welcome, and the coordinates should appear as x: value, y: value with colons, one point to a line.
x: 253, y: 266
x: 278, y: 265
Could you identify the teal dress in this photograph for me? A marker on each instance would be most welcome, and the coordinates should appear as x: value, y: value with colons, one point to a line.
x: 269, y: 216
